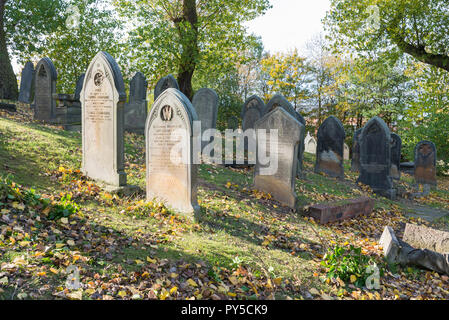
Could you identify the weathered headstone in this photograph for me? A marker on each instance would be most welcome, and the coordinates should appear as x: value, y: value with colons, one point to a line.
x: 205, y: 102
x: 171, y: 172
x: 425, y: 163
x: 233, y: 123
x: 164, y: 84
x: 279, y: 101
x: 426, y: 238
x: 279, y: 181
x: 45, y: 87
x: 337, y: 211
x: 252, y: 111
x: 310, y: 144
x: 396, y: 146
x: 102, y: 99
x: 137, y: 108
x: 79, y: 87
x: 345, y: 152
x: 355, y: 160
x: 26, y: 83
x: 329, y: 153
x: 375, y: 158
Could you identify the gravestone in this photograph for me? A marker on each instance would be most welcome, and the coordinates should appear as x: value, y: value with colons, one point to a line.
x: 171, y: 169
x: 252, y: 111
x: 45, y: 87
x: 205, y: 102
x: 102, y: 99
x: 396, y: 145
x: 26, y: 83
x: 375, y: 157
x: 355, y: 160
x: 425, y: 163
x: 329, y: 152
x: 279, y: 181
x: 163, y: 84
x: 279, y: 101
x: 137, y: 108
x: 79, y: 87
x: 345, y: 152
x: 233, y: 123
x: 310, y: 144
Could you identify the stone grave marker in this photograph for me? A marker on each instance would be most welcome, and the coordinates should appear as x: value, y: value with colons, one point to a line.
x: 26, y: 83
x: 279, y: 101
x: 396, y: 145
x: 171, y: 169
x: 280, y: 181
x: 45, y: 87
x: 345, y: 152
x: 79, y: 87
x: 375, y: 158
x: 425, y: 163
x: 329, y: 152
x: 355, y: 160
x: 102, y: 99
x: 137, y: 108
x: 163, y: 84
x: 310, y: 144
x: 205, y: 102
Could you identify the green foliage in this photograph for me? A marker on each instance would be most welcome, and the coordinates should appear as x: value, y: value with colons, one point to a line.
x: 344, y: 262
x: 65, y: 207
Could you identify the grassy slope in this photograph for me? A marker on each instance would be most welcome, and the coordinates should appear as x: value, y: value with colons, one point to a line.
x: 238, y: 226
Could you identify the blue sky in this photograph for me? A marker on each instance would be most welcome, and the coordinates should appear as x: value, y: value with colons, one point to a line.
x: 289, y: 24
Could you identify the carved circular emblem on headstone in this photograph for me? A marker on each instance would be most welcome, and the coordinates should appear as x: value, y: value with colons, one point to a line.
x: 167, y: 113
x: 98, y: 78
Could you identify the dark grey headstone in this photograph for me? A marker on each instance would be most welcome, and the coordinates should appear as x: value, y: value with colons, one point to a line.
x: 253, y: 102
x: 233, y: 123
x: 164, y: 84
x: 171, y: 173
x: 45, y: 87
x: 26, y: 83
x: 396, y: 146
x: 79, y: 87
x: 205, y: 102
x: 280, y: 101
x: 425, y: 163
x: 137, y: 108
x: 330, y: 148
x: 280, y: 183
x: 102, y: 99
x: 375, y: 157
x: 355, y: 160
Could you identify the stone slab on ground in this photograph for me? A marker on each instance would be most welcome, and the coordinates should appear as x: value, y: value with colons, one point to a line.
x: 426, y: 238
x: 397, y: 251
x: 8, y: 107
x: 426, y: 213
x: 331, y: 212
x: 123, y: 191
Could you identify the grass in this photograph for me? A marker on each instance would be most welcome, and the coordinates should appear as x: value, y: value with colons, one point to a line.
x: 237, y: 226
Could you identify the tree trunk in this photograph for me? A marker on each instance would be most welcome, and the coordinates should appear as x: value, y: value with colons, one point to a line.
x: 188, y: 27
x: 8, y: 80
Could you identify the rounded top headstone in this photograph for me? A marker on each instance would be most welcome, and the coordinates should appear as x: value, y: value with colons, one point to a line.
x: 50, y: 67
x: 279, y: 100
x: 164, y: 84
x: 253, y: 102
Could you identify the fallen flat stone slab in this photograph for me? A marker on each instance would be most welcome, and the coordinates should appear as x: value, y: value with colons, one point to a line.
x: 337, y: 211
x: 400, y: 252
x: 426, y: 238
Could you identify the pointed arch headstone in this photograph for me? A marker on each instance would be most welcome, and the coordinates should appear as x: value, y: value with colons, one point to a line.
x: 45, y: 86
x: 279, y: 100
x: 396, y: 146
x: 26, y: 83
x: 137, y: 108
x: 164, y: 84
x: 280, y: 183
x: 330, y: 148
x: 102, y: 100
x: 375, y: 157
x: 170, y: 159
